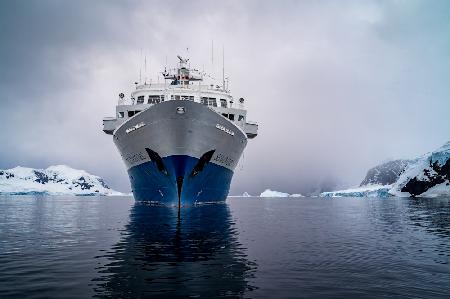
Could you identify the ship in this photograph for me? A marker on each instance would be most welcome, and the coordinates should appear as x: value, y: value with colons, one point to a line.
x: 180, y: 139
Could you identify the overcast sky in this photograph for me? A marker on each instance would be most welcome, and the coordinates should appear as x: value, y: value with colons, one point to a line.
x: 336, y: 86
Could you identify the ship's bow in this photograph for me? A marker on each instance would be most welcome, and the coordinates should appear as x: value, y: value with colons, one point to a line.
x: 180, y: 152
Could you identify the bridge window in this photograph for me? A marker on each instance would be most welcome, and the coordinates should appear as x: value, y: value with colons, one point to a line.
x: 187, y: 98
x: 153, y: 99
x: 140, y: 100
x: 223, y: 103
x: 121, y: 114
x: 130, y: 113
x: 225, y: 115
x: 204, y: 101
x: 241, y: 117
x: 212, y: 102
x: 231, y: 116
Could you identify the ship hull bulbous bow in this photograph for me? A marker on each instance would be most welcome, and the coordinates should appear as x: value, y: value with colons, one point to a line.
x: 180, y: 152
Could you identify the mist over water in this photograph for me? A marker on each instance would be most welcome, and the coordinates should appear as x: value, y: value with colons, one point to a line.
x: 249, y: 247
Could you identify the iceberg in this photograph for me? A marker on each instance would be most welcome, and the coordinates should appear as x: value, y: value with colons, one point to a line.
x: 55, y: 180
x: 271, y: 193
x: 364, y: 191
x: 296, y: 195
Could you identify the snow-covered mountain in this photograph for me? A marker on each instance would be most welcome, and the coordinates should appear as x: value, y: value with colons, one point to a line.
x: 425, y: 176
x: 55, y: 180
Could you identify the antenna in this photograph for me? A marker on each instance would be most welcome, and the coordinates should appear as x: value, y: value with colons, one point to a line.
x: 223, y: 67
x: 145, y: 68
x: 140, y: 68
x: 212, y: 57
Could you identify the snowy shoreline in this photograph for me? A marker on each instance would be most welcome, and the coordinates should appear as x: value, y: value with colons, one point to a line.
x: 54, y: 180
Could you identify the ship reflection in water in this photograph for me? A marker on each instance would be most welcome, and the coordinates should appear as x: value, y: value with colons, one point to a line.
x: 160, y: 254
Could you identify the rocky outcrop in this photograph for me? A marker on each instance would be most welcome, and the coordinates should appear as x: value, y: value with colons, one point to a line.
x: 435, y: 174
x: 386, y: 173
x: 425, y: 176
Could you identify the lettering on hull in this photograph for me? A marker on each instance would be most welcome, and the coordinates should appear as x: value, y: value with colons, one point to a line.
x: 135, y: 127
x: 223, y: 159
x: 222, y: 128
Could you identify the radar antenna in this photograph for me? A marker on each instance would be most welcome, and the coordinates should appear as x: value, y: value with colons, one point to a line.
x: 183, y: 60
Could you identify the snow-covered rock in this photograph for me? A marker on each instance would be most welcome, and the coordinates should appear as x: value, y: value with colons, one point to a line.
x: 55, y: 180
x: 386, y: 173
x: 425, y: 176
x: 364, y: 191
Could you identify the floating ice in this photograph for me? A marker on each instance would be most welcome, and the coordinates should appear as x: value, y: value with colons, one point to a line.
x: 364, y: 191
x: 271, y: 193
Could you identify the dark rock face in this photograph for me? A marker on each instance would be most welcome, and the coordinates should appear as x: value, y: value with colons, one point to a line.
x: 434, y: 175
x: 386, y: 173
x: 41, y: 178
x: 83, y: 184
x: 102, y: 182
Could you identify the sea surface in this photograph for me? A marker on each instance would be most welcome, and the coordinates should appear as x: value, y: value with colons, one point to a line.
x: 112, y: 247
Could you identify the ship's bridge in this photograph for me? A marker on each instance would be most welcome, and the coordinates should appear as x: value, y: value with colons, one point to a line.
x: 183, y: 84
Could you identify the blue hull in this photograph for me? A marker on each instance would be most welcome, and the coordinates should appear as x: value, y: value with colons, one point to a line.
x: 149, y: 183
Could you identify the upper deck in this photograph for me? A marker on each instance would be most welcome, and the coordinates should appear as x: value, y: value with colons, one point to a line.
x: 183, y: 84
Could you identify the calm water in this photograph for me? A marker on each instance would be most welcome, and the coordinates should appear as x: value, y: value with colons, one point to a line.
x: 77, y: 247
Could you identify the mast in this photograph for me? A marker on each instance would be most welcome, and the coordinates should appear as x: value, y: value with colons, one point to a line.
x: 223, y: 67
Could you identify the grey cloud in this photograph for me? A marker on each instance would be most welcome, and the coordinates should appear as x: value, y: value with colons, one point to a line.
x: 337, y: 86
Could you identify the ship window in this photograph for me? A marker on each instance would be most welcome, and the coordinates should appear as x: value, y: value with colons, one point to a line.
x: 136, y: 112
x: 204, y: 101
x: 121, y: 114
x: 241, y: 117
x: 130, y: 113
x: 140, y: 100
x: 212, y: 102
x: 224, y: 114
x: 187, y: 98
x: 223, y: 103
x: 231, y: 116
x: 153, y: 99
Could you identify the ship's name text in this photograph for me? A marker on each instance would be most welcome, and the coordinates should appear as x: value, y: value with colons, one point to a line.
x: 222, y: 128
x: 135, y: 127
x: 131, y: 159
x: 223, y: 159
